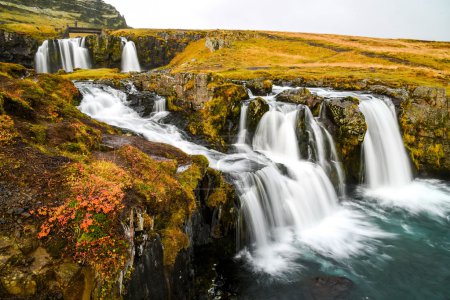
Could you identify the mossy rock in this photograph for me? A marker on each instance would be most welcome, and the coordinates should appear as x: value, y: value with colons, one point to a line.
x: 425, y: 123
x: 256, y: 110
x: 217, y: 120
x: 17, y: 107
x: 260, y: 87
x: 349, y: 127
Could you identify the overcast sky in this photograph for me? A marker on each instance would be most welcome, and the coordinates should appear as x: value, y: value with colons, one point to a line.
x: 419, y: 19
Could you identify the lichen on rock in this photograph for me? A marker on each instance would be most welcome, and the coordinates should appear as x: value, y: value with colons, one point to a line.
x: 425, y: 123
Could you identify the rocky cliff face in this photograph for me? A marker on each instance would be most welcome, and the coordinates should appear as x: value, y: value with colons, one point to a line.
x: 154, y: 50
x: 425, y: 122
x: 17, y: 48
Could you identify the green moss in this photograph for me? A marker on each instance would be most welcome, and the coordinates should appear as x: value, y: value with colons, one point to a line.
x: 13, y: 70
x: 74, y: 148
x: 437, y: 153
x: 223, y: 107
x: 18, y: 107
x: 38, y: 133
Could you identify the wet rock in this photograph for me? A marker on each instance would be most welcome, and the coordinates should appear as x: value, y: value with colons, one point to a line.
x: 256, y: 109
x: 40, y: 260
x: 399, y: 94
x: 259, y: 87
x: 301, y: 96
x: 65, y: 273
x: 18, y: 284
x: 148, y: 279
x: 348, y: 126
x: 328, y: 288
x: 9, y: 251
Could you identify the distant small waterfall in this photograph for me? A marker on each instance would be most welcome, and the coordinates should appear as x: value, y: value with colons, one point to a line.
x: 67, y: 54
x: 386, y: 160
x: 160, y: 105
x: 130, y: 61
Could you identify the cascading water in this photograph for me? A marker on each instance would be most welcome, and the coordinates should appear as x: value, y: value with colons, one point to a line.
x: 160, y: 105
x: 130, y: 61
x: 67, y: 54
x: 385, y: 157
x: 291, y: 218
x: 388, y: 175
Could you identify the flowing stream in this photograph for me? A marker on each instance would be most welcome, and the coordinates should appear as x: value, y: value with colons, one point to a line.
x: 66, y: 54
x: 389, y: 235
x: 130, y: 61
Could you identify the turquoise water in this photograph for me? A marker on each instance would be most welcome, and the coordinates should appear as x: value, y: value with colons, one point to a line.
x: 412, y: 261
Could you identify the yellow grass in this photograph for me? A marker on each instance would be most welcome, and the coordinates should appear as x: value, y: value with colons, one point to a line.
x: 96, y: 74
x: 39, y: 32
x: 316, y: 56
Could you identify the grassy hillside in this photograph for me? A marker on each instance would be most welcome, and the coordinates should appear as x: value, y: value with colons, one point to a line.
x: 44, y: 18
x: 282, y: 55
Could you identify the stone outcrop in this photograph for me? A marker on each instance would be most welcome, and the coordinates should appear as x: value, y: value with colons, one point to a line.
x: 210, y: 104
x: 17, y: 48
x: 256, y: 109
x: 220, y: 39
x: 425, y: 123
x: 184, y: 91
x: 259, y: 87
x: 348, y: 126
x: 105, y: 50
x: 301, y: 96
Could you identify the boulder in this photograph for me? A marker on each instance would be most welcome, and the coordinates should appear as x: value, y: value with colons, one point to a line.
x: 348, y: 126
x: 18, y: 284
x: 329, y: 287
x: 260, y: 87
x: 301, y: 96
x: 256, y: 109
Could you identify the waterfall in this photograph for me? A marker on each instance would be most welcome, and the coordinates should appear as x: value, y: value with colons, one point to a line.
x: 288, y: 191
x: 69, y: 54
x: 386, y: 160
x: 160, y: 105
x: 285, y: 199
x: 242, y: 135
x: 130, y: 61
x: 42, y: 58
x: 275, y: 134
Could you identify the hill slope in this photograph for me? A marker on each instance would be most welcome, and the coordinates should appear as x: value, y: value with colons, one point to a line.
x: 45, y: 16
x: 285, y: 55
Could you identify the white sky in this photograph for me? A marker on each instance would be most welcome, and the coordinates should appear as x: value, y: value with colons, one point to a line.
x: 419, y: 19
